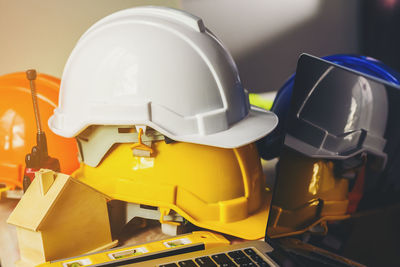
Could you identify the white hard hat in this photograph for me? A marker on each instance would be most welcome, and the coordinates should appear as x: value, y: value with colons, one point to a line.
x: 161, y: 68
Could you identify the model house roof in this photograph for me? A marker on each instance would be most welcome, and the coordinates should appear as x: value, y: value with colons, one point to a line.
x: 41, y: 197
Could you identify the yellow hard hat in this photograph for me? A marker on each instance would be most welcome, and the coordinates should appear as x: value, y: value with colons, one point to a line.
x: 215, y: 188
x: 307, y: 194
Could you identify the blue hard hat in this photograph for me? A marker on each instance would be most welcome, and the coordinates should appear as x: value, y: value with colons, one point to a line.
x: 269, y: 146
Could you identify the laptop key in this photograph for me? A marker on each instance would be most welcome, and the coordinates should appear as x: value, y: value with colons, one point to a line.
x: 236, y: 254
x: 223, y: 260
x: 187, y: 263
x: 256, y: 258
x: 220, y: 258
x: 205, y: 262
x: 259, y: 260
x: 169, y: 265
x: 242, y: 260
x: 263, y: 264
x: 250, y: 251
x: 231, y: 264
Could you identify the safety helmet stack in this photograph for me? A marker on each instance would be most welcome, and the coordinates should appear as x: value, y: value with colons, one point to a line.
x: 160, y: 75
x: 335, y: 124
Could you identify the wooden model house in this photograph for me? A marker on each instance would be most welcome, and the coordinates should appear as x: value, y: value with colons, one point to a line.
x: 60, y: 217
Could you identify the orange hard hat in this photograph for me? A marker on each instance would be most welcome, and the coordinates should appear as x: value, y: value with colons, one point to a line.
x: 18, y: 126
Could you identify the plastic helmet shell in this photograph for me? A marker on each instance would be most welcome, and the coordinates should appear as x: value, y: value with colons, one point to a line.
x: 215, y: 188
x: 342, y: 115
x: 270, y: 145
x: 316, y: 195
x: 162, y: 68
x: 18, y: 127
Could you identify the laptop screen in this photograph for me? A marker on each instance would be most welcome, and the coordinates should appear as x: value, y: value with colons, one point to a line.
x: 341, y: 125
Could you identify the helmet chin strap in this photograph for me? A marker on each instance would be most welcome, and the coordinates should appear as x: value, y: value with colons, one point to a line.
x: 140, y: 149
x: 95, y: 141
x: 348, y: 168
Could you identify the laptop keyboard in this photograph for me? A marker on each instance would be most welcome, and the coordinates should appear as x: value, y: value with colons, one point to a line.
x: 243, y: 258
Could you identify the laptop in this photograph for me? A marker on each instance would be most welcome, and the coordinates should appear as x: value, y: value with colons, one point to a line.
x: 269, y: 252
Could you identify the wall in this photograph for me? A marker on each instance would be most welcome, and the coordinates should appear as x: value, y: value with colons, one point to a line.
x: 41, y: 34
x: 265, y: 37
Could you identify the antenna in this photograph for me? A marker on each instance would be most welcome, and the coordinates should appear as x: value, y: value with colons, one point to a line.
x: 31, y: 76
x: 40, y: 136
x: 39, y: 157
